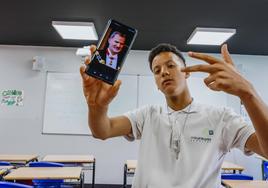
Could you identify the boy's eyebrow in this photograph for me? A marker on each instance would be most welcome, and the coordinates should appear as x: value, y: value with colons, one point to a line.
x: 169, y: 60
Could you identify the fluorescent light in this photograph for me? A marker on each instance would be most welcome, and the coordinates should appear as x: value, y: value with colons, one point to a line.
x: 210, y: 36
x: 85, y: 51
x: 76, y: 30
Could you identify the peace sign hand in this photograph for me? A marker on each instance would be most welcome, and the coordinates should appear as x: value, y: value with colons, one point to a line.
x: 223, y: 76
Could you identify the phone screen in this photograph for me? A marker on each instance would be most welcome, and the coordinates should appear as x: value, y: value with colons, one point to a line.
x: 107, y: 61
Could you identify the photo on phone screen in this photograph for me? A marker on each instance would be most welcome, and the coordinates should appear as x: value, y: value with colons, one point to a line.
x: 107, y: 62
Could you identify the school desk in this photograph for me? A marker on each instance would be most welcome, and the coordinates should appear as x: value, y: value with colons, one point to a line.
x: 88, y: 162
x: 44, y: 173
x: 245, y: 184
x: 130, y: 166
x: 232, y: 167
x: 18, y: 159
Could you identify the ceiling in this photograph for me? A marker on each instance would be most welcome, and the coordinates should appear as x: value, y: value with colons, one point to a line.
x: 28, y: 22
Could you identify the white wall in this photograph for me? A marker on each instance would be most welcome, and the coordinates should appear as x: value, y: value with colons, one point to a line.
x: 21, y: 127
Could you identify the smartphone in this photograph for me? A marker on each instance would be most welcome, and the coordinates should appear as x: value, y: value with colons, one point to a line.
x: 107, y: 61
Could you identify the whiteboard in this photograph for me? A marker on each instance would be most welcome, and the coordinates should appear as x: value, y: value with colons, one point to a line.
x: 65, y: 110
x: 149, y: 94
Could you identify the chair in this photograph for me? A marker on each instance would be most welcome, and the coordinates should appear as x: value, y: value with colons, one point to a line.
x: 236, y: 177
x: 4, y: 184
x: 4, y: 163
x: 129, y: 170
x: 265, y: 170
x: 46, y: 183
x: 45, y: 164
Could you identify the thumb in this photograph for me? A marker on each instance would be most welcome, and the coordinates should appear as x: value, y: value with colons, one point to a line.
x: 115, y: 88
x: 82, y: 72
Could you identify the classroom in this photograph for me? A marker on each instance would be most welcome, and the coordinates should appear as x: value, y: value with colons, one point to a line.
x: 43, y: 111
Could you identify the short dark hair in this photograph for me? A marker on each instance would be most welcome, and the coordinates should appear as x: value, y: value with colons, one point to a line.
x: 164, y: 47
x: 117, y: 33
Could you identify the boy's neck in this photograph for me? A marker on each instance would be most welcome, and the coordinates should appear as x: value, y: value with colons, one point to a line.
x: 179, y: 102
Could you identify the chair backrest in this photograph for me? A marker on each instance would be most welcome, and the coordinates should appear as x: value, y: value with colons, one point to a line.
x: 4, y: 184
x: 4, y: 163
x: 265, y: 170
x: 236, y: 177
x: 45, y: 164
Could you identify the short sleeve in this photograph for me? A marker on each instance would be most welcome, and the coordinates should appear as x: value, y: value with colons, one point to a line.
x: 235, y: 131
x: 137, y: 119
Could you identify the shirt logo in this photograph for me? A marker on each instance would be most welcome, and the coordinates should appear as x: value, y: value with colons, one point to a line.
x: 206, y: 132
x: 210, y: 132
x: 206, y: 136
x: 200, y: 139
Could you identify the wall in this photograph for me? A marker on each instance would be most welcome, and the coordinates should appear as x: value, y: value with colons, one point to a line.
x: 21, y: 127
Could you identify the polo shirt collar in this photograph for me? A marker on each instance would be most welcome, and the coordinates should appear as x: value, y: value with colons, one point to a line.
x: 191, y: 108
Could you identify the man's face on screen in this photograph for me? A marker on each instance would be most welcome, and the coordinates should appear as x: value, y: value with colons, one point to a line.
x: 116, y: 44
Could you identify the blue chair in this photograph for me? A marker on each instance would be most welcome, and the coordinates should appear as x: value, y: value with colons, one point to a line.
x: 47, y: 183
x: 4, y: 184
x: 45, y: 164
x: 236, y: 177
x: 4, y: 163
x: 265, y: 170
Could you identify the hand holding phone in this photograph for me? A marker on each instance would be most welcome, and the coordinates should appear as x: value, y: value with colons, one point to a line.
x: 108, y: 59
x: 98, y: 94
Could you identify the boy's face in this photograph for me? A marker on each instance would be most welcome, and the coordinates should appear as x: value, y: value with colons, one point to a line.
x: 166, y: 68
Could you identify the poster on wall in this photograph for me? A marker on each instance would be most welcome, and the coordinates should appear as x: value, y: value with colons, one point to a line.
x: 12, y: 97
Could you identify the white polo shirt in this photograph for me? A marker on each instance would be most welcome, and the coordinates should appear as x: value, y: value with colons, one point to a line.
x: 208, y: 134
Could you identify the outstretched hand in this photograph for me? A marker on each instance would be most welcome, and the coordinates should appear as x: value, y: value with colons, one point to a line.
x: 97, y: 92
x: 223, y: 76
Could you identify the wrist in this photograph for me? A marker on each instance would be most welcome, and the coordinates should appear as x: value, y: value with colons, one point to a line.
x: 97, y: 108
x: 248, y: 93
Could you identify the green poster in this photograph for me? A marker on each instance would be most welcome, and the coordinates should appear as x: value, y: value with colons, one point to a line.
x: 12, y: 97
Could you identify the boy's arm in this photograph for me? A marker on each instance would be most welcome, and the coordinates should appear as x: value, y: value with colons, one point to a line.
x: 98, y: 96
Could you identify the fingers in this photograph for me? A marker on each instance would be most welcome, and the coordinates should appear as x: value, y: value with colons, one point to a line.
x: 93, y: 92
x: 214, y: 86
x: 226, y: 55
x: 117, y: 85
x: 208, y: 80
x: 88, y: 81
x: 217, y: 85
x: 82, y: 72
x: 92, y: 49
x: 207, y: 58
x: 84, y: 76
x: 200, y: 68
x: 88, y: 58
x: 115, y: 88
x: 107, y: 93
x: 213, y: 77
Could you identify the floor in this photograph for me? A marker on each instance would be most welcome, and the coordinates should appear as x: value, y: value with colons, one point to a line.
x: 106, y: 186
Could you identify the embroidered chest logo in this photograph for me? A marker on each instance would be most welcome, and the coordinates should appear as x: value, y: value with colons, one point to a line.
x: 206, y: 136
